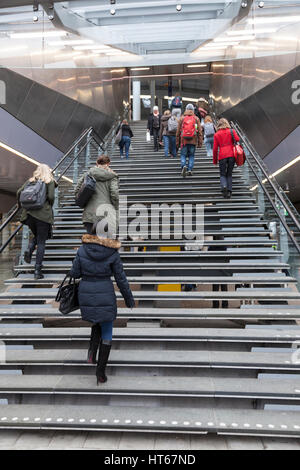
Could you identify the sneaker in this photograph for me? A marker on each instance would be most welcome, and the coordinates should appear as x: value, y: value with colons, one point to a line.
x: 228, y: 194
x: 183, y: 172
x: 190, y: 173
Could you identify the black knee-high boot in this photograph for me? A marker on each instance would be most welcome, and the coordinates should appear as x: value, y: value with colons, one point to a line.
x: 94, y: 344
x: 104, y: 351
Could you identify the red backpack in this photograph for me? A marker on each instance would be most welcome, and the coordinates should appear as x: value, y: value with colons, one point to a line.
x: 188, y: 127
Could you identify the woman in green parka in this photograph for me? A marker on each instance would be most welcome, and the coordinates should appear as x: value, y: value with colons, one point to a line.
x: 39, y: 221
x: 106, y: 196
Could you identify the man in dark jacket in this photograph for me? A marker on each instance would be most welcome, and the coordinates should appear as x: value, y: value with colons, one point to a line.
x: 107, y: 191
x: 153, y: 126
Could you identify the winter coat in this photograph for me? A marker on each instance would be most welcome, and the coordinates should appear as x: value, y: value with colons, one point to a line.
x: 107, y: 192
x: 45, y: 214
x: 96, y: 261
x: 164, y: 126
x: 151, y: 121
x: 197, y: 139
x: 126, y: 130
x: 223, y: 144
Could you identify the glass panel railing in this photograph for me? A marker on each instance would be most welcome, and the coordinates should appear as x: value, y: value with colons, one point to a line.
x: 276, y: 208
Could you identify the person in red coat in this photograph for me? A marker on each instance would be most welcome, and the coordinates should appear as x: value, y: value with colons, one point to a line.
x: 223, y: 152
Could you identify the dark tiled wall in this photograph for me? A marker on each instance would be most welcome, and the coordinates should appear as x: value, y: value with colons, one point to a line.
x: 56, y: 117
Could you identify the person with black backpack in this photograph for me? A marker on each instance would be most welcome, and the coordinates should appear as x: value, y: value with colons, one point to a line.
x: 36, y: 197
x: 176, y: 105
x: 124, y: 135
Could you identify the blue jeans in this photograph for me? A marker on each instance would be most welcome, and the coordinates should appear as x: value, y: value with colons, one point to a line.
x: 125, y: 142
x: 209, y: 143
x: 188, y: 151
x: 106, y: 330
x: 226, y: 167
x: 166, y: 145
x: 172, y: 143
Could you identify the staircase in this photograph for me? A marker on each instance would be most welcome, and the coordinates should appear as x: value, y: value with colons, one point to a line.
x: 181, y: 362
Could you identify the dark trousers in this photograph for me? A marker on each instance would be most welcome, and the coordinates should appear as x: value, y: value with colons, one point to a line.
x: 155, y: 137
x: 226, y: 167
x: 41, y: 232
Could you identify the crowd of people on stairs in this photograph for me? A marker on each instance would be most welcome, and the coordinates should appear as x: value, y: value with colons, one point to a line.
x: 98, y: 259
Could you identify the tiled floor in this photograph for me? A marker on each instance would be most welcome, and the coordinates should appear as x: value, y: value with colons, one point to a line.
x: 17, y: 440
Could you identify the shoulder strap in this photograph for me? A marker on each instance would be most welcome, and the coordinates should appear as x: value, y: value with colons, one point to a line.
x: 233, y: 138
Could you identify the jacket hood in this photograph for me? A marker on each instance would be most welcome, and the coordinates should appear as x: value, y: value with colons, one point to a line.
x: 102, y: 174
x: 98, y: 248
x: 108, y: 242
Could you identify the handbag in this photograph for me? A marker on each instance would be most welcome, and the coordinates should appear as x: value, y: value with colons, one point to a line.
x: 86, y: 191
x: 119, y: 136
x: 238, y: 151
x: 67, y: 296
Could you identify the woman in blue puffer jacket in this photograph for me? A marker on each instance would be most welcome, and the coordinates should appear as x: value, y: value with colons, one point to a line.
x: 96, y: 261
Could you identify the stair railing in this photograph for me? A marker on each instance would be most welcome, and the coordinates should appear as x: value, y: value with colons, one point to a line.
x: 87, y: 137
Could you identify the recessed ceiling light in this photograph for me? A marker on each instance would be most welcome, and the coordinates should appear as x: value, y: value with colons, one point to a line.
x: 178, y: 7
x: 112, y: 11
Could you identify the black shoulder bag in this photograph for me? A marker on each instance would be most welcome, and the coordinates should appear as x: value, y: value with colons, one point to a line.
x: 86, y: 191
x: 67, y: 296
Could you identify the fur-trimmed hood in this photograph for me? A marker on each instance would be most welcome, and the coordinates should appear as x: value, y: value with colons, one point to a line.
x: 107, y: 242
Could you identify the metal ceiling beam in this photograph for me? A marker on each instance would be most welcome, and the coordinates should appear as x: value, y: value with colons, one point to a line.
x: 157, y: 11
x: 117, y: 20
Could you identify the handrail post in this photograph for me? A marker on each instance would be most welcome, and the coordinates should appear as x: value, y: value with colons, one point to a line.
x: 24, y: 243
x: 55, y: 205
x: 88, y: 152
x: 75, y: 167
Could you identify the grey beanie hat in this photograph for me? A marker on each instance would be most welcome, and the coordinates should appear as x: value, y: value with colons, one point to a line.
x: 189, y: 106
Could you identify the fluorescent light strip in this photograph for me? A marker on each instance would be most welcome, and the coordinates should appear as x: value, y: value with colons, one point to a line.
x: 275, y: 19
x: 25, y: 157
x: 41, y: 34
x: 280, y: 170
x: 92, y: 46
x: 117, y: 70
x: 194, y: 66
x: 249, y: 37
x: 136, y: 69
x: 71, y: 42
x: 248, y: 32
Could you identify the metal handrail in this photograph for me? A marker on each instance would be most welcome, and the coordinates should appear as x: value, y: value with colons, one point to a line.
x: 281, y: 218
x: 91, y: 135
x: 73, y: 146
x: 287, y: 208
x: 15, y: 209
